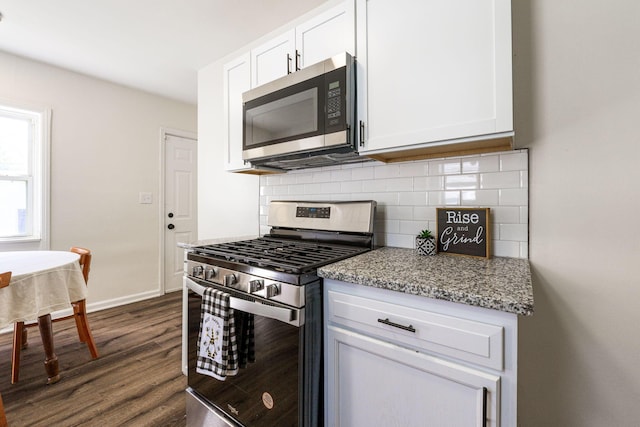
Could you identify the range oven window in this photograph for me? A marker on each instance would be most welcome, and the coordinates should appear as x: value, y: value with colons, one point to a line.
x: 267, y: 392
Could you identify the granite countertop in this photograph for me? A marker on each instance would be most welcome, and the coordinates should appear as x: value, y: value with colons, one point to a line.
x: 498, y: 283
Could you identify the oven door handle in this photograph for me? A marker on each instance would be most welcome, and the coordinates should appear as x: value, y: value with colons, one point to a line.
x: 281, y: 314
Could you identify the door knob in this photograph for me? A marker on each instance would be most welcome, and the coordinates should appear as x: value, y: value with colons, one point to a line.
x: 171, y: 226
x: 170, y: 215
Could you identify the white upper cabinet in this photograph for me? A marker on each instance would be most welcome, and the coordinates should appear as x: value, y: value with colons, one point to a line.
x: 433, y: 72
x: 274, y: 59
x: 237, y: 79
x: 315, y: 40
x: 326, y: 35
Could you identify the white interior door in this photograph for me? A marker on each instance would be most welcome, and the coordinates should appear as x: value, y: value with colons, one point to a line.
x: 180, y: 208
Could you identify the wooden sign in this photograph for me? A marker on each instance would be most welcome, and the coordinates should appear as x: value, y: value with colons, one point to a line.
x: 464, y: 231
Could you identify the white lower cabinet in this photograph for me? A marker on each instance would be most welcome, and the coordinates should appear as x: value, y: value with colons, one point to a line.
x: 392, y: 361
x: 381, y: 384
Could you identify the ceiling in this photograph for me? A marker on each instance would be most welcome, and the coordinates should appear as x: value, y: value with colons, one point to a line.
x: 154, y: 45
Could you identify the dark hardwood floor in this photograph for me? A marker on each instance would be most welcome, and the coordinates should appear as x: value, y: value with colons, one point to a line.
x: 137, y: 381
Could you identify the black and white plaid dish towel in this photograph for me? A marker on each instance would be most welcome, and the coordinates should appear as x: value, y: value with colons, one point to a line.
x: 217, y: 347
x: 245, y: 338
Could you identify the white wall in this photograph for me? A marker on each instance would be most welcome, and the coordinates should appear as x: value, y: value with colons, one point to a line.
x: 105, y: 149
x: 577, y: 107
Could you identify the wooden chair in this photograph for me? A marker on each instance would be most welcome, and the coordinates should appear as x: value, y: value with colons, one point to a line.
x: 3, y: 417
x: 79, y: 314
x: 5, y: 278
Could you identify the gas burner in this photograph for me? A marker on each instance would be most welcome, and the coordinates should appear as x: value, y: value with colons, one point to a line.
x: 288, y: 256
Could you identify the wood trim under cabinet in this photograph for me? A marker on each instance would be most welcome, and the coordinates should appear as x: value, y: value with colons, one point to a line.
x: 448, y: 150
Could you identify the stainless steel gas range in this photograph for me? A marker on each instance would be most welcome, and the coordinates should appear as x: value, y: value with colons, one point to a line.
x: 276, y: 300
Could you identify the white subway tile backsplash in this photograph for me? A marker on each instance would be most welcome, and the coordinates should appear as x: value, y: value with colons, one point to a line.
x: 513, y: 232
x: 424, y: 213
x: 399, y: 240
x: 428, y: 183
x: 408, y: 194
x: 322, y: 176
x: 351, y: 187
x: 412, y: 228
x: 514, y: 161
x: 362, y: 173
x: 341, y: 175
x: 279, y: 190
x: 500, y: 180
x: 297, y: 189
x: 444, y: 167
x: 514, y: 197
x: 387, y: 171
x: 399, y: 212
x: 444, y: 198
x: 400, y: 184
x: 414, y: 198
x: 374, y: 185
x: 330, y: 188
x: 506, y: 249
x: 303, y: 178
x: 479, y: 198
x: 413, y: 169
x: 524, y: 214
x: 383, y: 198
x: 481, y: 164
x: 505, y: 215
x: 461, y: 182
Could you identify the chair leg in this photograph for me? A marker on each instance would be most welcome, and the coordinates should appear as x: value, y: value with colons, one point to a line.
x: 25, y: 338
x: 82, y: 323
x: 76, y: 316
x: 18, y: 329
x: 3, y: 417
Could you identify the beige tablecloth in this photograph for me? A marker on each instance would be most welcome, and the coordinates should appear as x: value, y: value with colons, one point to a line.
x: 42, y: 282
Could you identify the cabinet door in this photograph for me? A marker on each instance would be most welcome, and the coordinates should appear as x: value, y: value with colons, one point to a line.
x: 374, y: 383
x: 237, y: 79
x: 326, y: 35
x: 274, y: 59
x: 433, y: 71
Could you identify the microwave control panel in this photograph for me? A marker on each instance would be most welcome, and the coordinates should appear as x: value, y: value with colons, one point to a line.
x: 335, y: 91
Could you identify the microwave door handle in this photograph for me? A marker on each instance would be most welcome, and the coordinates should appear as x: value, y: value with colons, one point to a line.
x: 281, y: 314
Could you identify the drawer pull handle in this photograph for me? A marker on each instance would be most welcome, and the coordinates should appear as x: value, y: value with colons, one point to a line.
x: 386, y: 321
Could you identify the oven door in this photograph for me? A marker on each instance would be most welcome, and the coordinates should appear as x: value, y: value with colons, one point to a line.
x: 268, y: 391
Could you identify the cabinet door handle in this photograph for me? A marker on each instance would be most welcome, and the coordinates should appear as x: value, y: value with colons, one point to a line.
x: 297, y: 60
x: 484, y: 406
x: 361, y: 133
x: 386, y: 321
x: 288, y: 64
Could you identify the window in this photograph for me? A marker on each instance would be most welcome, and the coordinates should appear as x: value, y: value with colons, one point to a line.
x: 24, y: 142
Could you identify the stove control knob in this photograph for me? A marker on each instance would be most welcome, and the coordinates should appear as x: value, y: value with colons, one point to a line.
x: 230, y: 279
x: 255, y: 285
x: 273, y: 290
x: 209, y: 273
x: 269, y: 291
x: 196, y: 271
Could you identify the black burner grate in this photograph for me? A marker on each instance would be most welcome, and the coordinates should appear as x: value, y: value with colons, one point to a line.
x: 289, y: 256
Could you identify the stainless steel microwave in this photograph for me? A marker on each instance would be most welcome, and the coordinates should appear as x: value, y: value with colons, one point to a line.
x: 304, y: 119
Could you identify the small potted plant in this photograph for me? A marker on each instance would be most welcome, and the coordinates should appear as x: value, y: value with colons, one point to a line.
x: 425, y: 243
